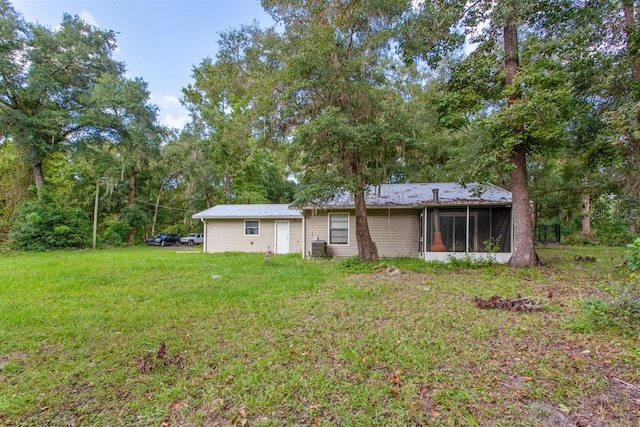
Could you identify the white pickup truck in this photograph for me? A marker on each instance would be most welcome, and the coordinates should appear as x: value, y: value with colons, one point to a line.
x: 192, y: 239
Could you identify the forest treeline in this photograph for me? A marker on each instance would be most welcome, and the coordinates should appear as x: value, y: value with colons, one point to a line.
x: 540, y: 97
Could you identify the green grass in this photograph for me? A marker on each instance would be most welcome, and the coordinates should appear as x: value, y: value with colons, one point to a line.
x: 296, y: 342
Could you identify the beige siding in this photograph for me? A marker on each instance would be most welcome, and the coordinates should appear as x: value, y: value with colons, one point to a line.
x: 396, y: 232
x: 295, y: 236
x: 227, y: 235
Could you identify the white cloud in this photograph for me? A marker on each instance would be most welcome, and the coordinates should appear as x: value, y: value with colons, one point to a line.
x: 171, y: 113
x: 88, y: 18
x: 176, y: 122
x: 165, y: 101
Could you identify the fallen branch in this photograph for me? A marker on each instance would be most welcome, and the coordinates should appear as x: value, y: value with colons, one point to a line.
x: 635, y: 387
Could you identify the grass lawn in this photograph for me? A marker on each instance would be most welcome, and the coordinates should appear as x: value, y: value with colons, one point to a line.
x: 163, y: 337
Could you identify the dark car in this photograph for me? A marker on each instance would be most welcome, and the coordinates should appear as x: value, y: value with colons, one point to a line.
x: 164, y: 239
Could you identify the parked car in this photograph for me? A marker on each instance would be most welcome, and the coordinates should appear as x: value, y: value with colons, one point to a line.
x: 164, y: 239
x: 193, y: 239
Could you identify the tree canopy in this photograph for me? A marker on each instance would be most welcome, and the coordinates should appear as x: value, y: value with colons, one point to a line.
x: 539, y: 97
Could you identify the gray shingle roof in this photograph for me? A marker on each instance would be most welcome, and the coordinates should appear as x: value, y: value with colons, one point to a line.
x: 249, y: 211
x: 410, y: 195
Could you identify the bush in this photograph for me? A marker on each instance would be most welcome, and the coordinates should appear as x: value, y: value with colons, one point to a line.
x: 633, y: 255
x: 42, y: 225
x: 623, y: 309
x: 116, y: 234
x: 578, y: 239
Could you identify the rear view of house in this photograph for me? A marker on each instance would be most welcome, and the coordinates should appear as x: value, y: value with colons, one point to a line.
x: 433, y: 221
x: 252, y: 228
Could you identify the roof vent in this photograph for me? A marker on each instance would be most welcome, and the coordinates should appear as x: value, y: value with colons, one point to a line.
x: 436, y: 196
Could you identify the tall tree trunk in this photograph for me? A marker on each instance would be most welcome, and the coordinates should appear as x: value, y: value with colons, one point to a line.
x: 586, y: 215
x: 155, y: 211
x: 367, y: 250
x: 227, y: 184
x: 132, y: 201
x: 38, y: 178
x: 632, y: 155
x: 523, y: 251
x: 633, y: 40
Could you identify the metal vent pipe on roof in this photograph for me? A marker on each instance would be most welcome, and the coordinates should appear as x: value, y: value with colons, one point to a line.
x: 436, y: 196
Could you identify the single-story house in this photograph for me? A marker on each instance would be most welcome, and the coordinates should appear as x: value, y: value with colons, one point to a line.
x: 432, y: 221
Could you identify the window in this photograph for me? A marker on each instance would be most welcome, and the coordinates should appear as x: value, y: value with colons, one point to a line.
x: 252, y: 228
x: 339, y: 229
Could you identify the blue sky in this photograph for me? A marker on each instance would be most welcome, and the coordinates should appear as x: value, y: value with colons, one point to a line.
x: 159, y: 40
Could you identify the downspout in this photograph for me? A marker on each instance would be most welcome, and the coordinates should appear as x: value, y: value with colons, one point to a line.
x: 304, y: 235
x: 204, y: 245
x: 466, y: 243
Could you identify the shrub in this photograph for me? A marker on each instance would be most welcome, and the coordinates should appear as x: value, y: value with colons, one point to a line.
x: 578, y: 239
x: 116, y: 234
x: 622, y: 310
x: 633, y: 255
x: 42, y: 225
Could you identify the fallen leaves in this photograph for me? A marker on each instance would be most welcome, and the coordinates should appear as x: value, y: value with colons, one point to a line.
x: 518, y: 304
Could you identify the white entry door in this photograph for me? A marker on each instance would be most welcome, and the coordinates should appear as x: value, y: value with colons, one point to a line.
x: 282, y: 237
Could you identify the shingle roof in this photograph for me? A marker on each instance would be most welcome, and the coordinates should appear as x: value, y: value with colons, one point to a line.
x: 249, y: 211
x: 410, y: 195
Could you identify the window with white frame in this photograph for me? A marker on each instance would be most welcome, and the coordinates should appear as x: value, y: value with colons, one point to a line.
x: 339, y: 229
x: 252, y: 228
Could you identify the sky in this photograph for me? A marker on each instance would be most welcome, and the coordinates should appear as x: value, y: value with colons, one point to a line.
x: 160, y: 41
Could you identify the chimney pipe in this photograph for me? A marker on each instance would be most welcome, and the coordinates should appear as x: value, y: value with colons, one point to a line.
x: 436, y: 196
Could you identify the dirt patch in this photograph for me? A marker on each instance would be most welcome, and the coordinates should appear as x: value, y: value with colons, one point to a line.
x: 518, y: 304
x: 161, y: 357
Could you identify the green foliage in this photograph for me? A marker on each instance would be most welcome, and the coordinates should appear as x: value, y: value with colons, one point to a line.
x: 621, y: 311
x: 116, y: 233
x: 633, y: 255
x: 354, y: 265
x: 134, y: 216
x: 47, y: 75
x: 44, y: 225
x: 492, y: 245
x: 469, y: 263
x: 578, y: 239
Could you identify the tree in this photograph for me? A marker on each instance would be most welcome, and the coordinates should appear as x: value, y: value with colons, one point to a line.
x: 512, y: 88
x: 45, y: 75
x: 13, y: 185
x: 230, y: 108
x: 348, y: 125
x: 618, y: 42
x: 126, y: 119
